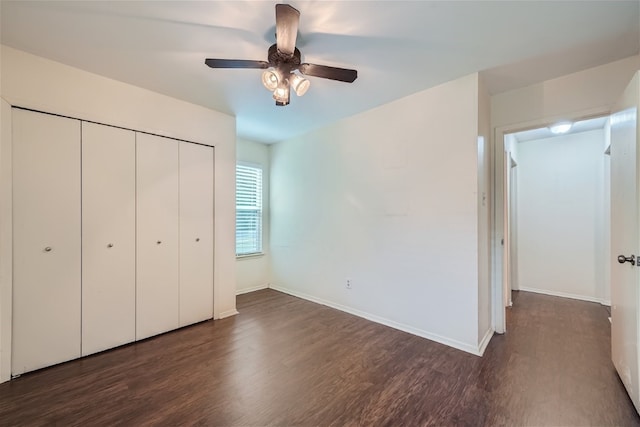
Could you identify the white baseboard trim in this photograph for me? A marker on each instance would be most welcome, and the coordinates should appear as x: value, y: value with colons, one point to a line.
x: 390, y: 323
x: 565, y: 295
x: 485, y: 341
x: 253, y: 289
x: 228, y: 313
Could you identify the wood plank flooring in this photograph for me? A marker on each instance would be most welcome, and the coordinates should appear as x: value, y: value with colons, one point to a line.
x: 285, y: 361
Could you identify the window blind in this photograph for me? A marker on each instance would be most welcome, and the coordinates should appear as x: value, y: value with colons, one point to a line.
x: 248, y: 210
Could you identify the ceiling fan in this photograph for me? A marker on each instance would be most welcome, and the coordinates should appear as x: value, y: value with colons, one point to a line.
x: 284, y: 69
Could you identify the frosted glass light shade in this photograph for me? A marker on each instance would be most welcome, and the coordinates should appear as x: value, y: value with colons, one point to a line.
x: 281, y: 94
x: 299, y: 84
x: 560, y: 128
x: 270, y: 79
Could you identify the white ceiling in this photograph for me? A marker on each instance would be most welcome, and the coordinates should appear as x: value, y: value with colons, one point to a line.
x: 397, y: 47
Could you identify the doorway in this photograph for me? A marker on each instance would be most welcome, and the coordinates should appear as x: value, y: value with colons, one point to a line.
x: 556, y: 214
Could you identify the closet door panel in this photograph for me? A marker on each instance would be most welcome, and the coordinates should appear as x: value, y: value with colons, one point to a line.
x: 157, y: 235
x: 196, y: 233
x: 46, y: 240
x: 108, y: 237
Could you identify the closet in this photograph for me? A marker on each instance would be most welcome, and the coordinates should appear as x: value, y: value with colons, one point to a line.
x: 108, y: 237
x: 46, y: 240
x: 157, y: 235
x: 113, y: 237
x: 196, y: 233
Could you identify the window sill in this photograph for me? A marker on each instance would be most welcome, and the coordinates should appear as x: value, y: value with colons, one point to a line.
x: 254, y: 255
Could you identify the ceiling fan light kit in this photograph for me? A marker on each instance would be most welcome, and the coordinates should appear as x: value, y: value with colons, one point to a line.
x: 270, y: 79
x: 274, y: 81
x: 299, y: 84
x: 281, y: 94
x: 284, y: 70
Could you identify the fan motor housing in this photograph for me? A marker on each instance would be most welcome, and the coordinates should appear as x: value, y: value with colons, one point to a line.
x: 282, y: 60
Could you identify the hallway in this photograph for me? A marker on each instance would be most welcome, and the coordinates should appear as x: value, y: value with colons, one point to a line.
x: 559, y: 369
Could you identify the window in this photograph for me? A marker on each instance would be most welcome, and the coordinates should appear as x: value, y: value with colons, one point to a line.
x: 248, y: 210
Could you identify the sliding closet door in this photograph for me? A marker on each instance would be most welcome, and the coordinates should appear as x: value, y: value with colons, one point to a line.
x: 196, y: 233
x: 108, y: 237
x: 157, y: 235
x: 46, y: 240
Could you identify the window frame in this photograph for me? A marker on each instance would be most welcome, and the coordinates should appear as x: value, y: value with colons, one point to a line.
x: 261, y: 248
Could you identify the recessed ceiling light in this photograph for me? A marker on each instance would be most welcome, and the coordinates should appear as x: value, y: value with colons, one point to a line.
x: 560, y: 128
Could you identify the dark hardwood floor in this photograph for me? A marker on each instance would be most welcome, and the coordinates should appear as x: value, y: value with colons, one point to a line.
x: 285, y: 361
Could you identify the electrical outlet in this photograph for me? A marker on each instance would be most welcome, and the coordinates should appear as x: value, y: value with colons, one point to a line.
x: 348, y: 284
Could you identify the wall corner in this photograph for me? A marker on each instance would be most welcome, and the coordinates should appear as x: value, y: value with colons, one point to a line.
x: 6, y: 241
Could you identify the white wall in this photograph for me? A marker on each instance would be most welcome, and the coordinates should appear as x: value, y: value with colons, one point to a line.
x: 577, y: 92
x: 389, y: 200
x: 560, y: 215
x: 6, y: 239
x: 6, y: 235
x: 484, y: 214
x: 37, y: 83
x: 253, y: 272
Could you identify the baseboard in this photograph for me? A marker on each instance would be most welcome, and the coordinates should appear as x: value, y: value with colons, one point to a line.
x: 390, y: 323
x: 485, y: 341
x: 253, y: 289
x: 565, y: 295
x: 228, y: 313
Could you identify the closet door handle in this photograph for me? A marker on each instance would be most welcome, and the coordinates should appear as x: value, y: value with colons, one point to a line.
x: 159, y: 242
x: 48, y: 249
x: 110, y: 245
x: 197, y: 239
x: 630, y: 259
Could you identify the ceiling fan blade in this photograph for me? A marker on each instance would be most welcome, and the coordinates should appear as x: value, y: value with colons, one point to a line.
x: 287, y: 19
x: 326, y: 72
x: 235, y: 63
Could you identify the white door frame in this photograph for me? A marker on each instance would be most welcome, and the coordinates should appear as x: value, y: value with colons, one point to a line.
x: 510, y: 229
x: 513, y: 228
x: 499, y: 240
